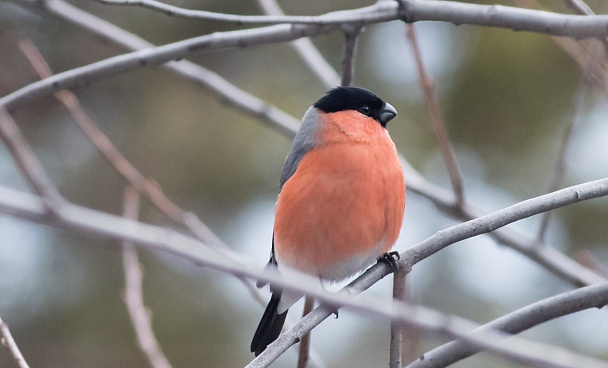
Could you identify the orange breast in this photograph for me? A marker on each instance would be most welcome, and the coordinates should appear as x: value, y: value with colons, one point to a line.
x: 345, y: 200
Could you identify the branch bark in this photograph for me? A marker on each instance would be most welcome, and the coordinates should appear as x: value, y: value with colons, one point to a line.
x: 595, y: 296
x: 9, y: 342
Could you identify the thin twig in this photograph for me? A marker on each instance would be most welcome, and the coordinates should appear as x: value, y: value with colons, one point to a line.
x: 304, y: 351
x: 546, y: 256
x: 595, y: 296
x: 562, y: 153
x: 397, y: 330
x: 351, y: 36
x: 588, y: 59
x: 273, y: 18
x: 580, y: 7
x: 306, y: 50
x: 9, y: 342
x: 437, y: 122
x: 133, y: 294
x: 147, y: 187
x: 587, y: 259
x: 26, y: 160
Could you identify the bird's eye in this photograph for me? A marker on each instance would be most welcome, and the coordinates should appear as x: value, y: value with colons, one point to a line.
x: 364, y: 110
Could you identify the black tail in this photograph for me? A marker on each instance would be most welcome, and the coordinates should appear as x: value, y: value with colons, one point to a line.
x: 270, y: 326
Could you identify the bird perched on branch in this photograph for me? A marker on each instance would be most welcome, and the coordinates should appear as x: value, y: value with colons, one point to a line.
x: 342, y: 197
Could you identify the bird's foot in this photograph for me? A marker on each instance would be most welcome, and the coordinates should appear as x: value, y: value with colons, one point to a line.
x: 390, y: 258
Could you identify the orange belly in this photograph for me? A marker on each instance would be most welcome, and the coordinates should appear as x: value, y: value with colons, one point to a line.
x: 341, y: 209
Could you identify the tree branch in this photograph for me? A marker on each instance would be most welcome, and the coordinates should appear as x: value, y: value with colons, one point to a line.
x: 351, y: 36
x: 306, y: 50
x: 595, y: 296
x: 26, y: 160
x: 437, y: 122
x: 133, y: 294
x: 397, y: 330
x: 546, y: 256
x: 517, y: 19
x: 411, y: 11
x: 339, y: 17
x: 11, y: 345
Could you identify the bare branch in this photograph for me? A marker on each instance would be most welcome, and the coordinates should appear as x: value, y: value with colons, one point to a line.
x: 546, y: 256
x: 560, y: 166
x: 133, y: 296
x: 412, y: 11
x: 595, y: 296
x: 351, y: 36
x: 397, y: 330
x: 27, y: 161
x: 9, y: 343
x: 143, y: 185
x: 338, y: 17
x: 304, y: 351
x: 306, y: 50
x: 504, y: 17
x: 586, y: 258
x: 437, y: 122
x: 517, y: 349
x: 588, y: 58
x: 580, y: 7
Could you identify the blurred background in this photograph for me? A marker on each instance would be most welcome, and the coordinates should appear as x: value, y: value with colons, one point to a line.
x: 507, y: 98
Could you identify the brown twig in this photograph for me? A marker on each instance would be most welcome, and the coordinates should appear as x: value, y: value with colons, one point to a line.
x: 588, y: 58
x: 560, y: 166
x: 397, y: 329
x: 133, y: 294
x: 580, y: 7
x: 351, y: 36
x: 587, y: 259
x: 26, y: 160
x: 306, y: 50
x: 9, y: 343
x: 148, y: 188
x: 304, y: 351
x: 437, y: 122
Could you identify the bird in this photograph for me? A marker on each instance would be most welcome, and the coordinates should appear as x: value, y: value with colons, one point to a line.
x: 341, y: 201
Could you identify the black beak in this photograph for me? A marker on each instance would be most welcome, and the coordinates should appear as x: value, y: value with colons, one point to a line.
x: 387, y: 114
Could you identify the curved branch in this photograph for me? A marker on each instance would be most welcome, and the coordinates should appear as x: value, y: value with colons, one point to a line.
x: 9, y: 342
x: 306, y: 50
x: 577, y: 26
x: 517, y: 19
x: 339, y: 17
x: 595, y: 296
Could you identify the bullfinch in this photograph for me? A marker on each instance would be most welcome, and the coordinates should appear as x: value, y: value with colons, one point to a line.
x: 342, y: 197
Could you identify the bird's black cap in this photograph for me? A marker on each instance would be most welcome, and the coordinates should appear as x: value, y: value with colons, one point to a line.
x: 358, y: 99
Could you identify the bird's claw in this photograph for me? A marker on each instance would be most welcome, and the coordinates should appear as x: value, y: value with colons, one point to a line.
x: 390, y: 259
